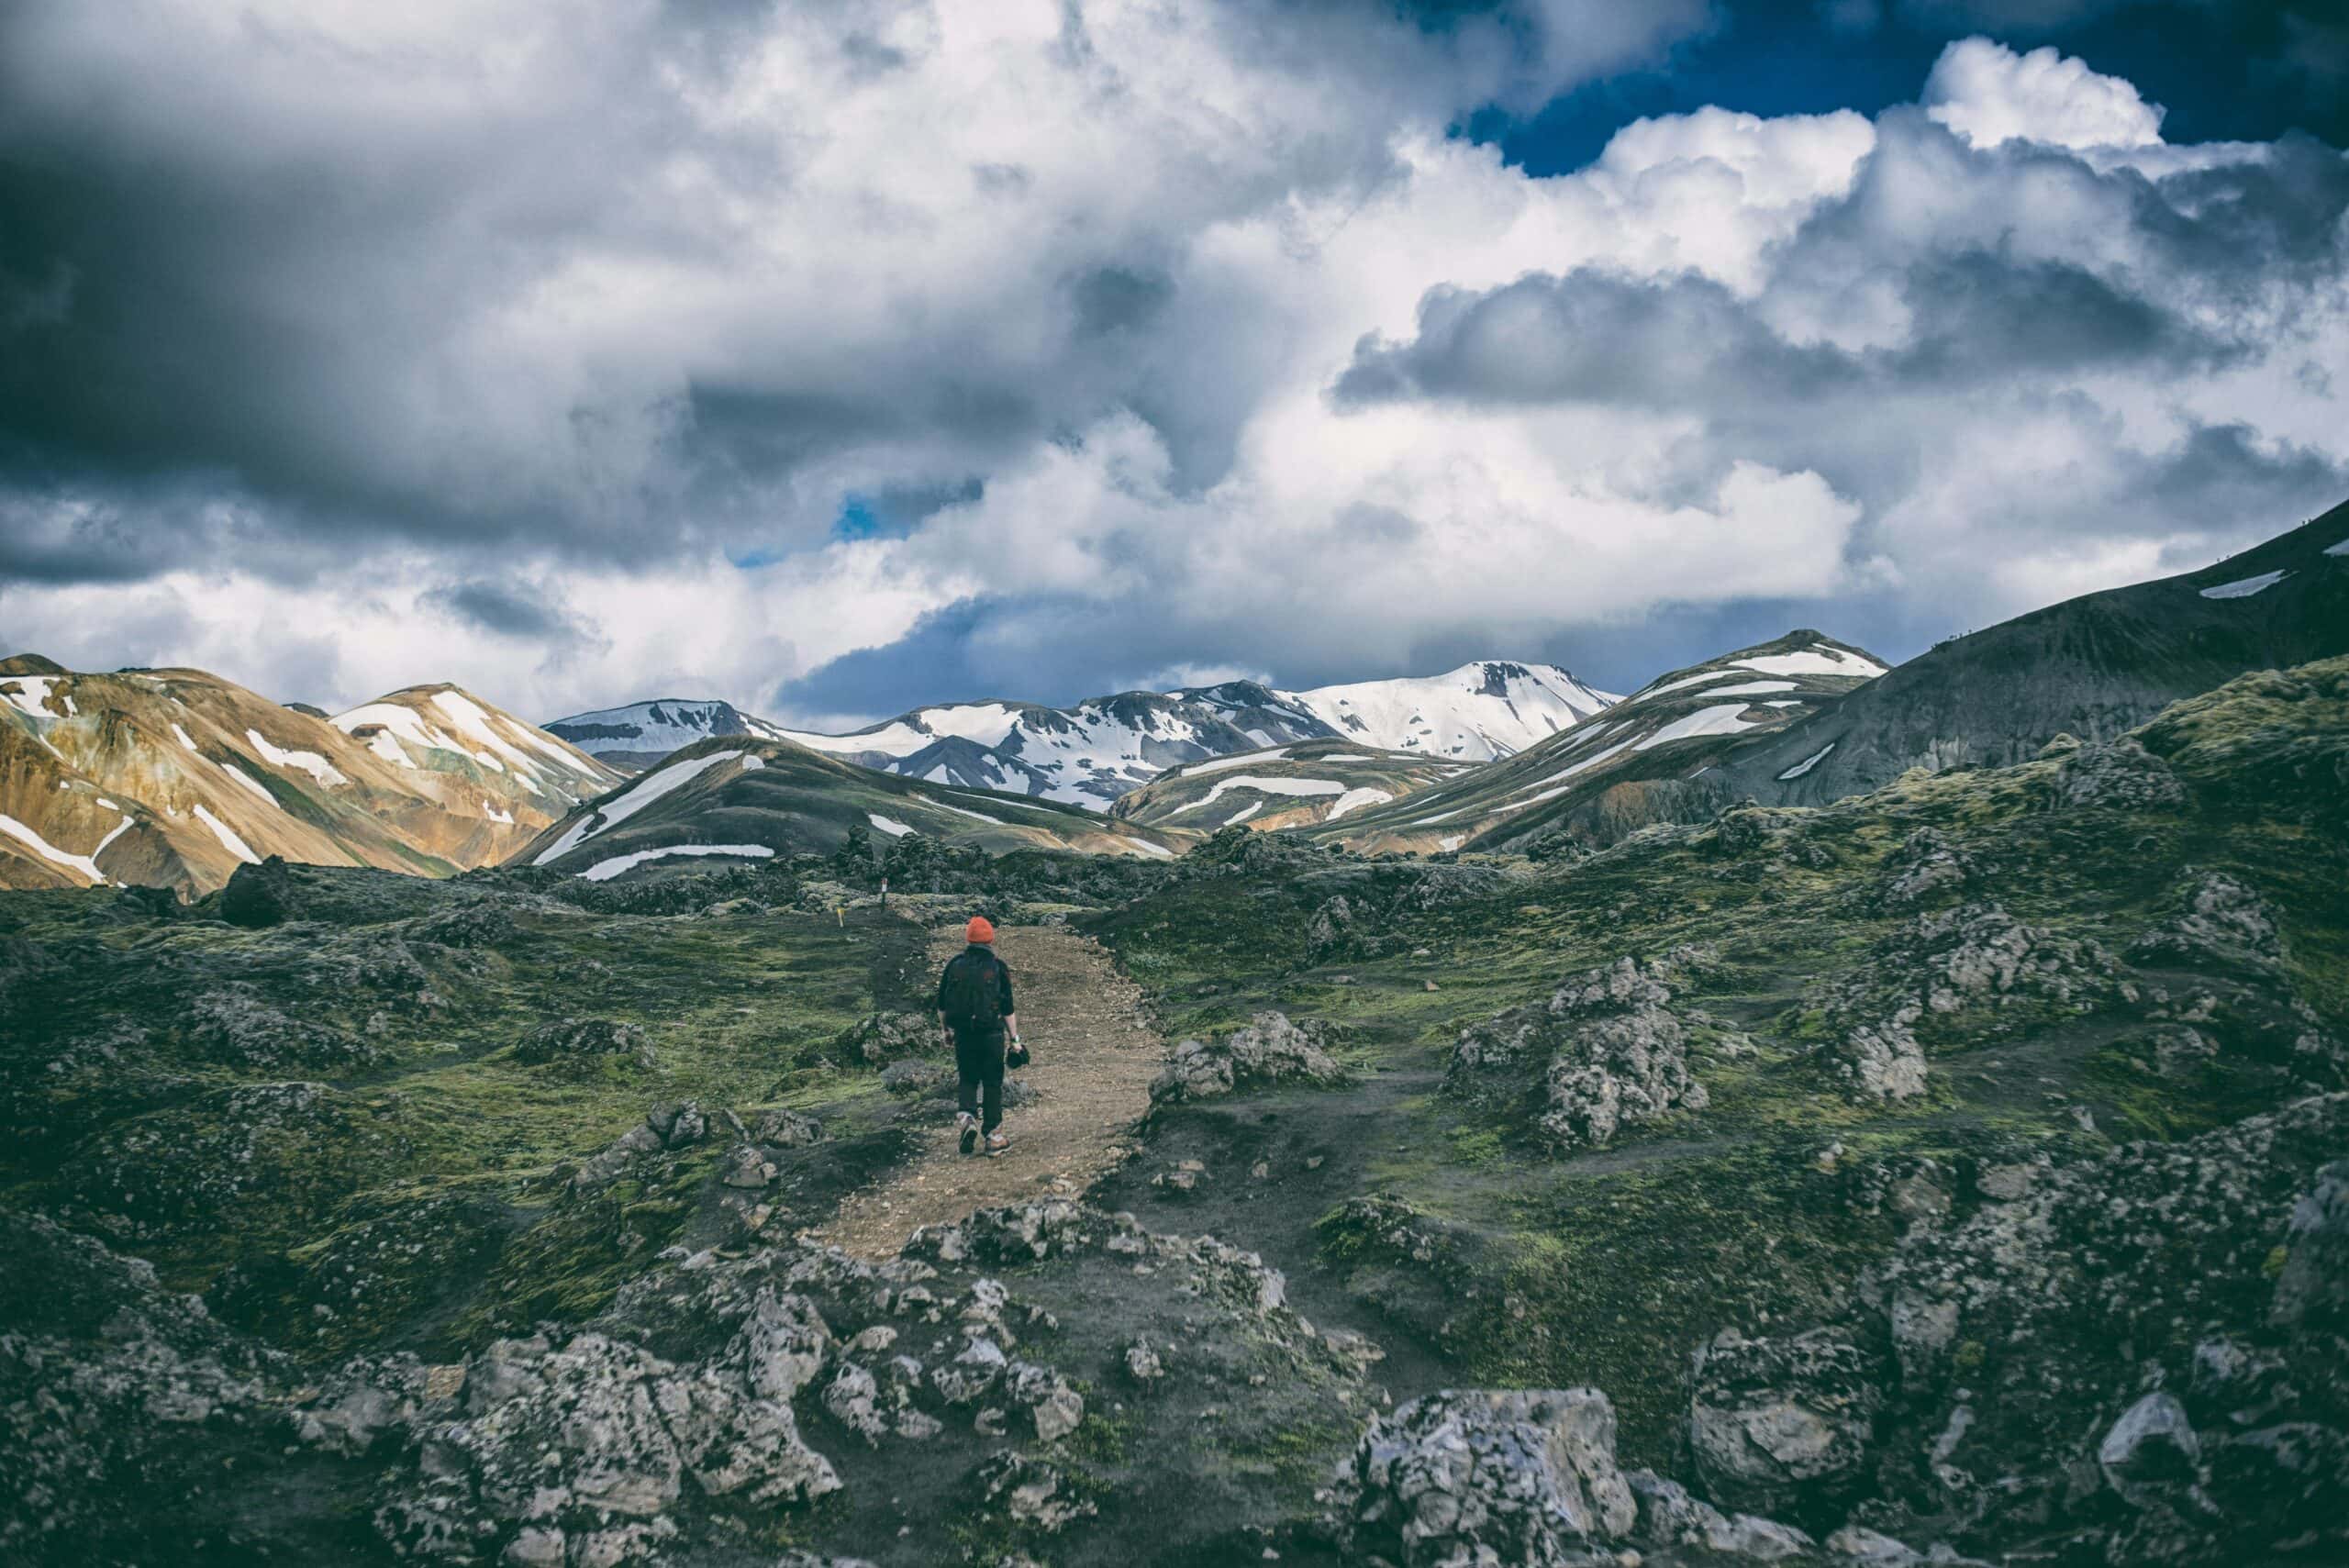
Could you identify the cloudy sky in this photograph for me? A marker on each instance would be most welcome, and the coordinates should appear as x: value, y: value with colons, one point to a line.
x: 836, y: 355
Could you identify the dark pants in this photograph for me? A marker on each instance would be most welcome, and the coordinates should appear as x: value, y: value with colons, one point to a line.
x: 979, y: 1059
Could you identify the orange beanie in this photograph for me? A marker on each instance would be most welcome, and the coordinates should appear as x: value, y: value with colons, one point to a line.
x: 980, y: 930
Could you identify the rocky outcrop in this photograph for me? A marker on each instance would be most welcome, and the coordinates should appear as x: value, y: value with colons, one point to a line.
x: 675, y: 1124
x: 1928, y: 865
x: 579, y: 1450
x: 882, y: 1037
x: 1954, y: 964
x: 1269, y: 1050
x: 2218, y: 1262
x: 2222, y: 923
x: 1473, y: 1477
x: 2118, y: 776
x: 578, y: 1044
x: 1782, y: 1425
x: 1610, y: 1049
x: 107, y: 1383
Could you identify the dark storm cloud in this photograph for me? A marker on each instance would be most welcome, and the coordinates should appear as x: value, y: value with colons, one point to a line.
x: 516, y: 610
x: 2220, y: 261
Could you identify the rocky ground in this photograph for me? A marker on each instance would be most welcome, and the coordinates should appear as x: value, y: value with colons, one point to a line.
x: 1956, y: 1173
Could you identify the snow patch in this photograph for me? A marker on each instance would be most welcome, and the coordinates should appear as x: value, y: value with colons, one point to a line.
x: 310, y: 763
x: 2244, y: 588
x: 1244, y: 813
x: 1721, y: 719
x: 183, y: 739
x: 227, y: 837
x: 2340, y: 549
x: 86, y: 864
x: 31, y: 700
x: 603, y: 870
x: 636, y: 798
x: 889, y: 825
x: 1355, y: 799
x: 1751, y: 689
x: 1684, y: 681
x: 494, y: 814
x: 1817, y: 660
x: 966, y: 811
x: 1266, y: 786
x: 1237, y: 760
x: 1452, y: 842
x: 1155, y: 851
x: 1807, y: 763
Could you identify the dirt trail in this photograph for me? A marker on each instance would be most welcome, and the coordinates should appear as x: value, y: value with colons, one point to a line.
x: 1094, y: 1062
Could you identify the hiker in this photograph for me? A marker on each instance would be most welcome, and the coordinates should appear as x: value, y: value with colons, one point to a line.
x: 975, y: 1000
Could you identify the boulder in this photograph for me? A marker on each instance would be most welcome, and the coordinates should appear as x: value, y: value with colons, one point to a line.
x: 2224, y: 924
x: 1780, y: 1424
x: 580, y: 1043
x: 595, y: 1440
x: 1611, y: 1051
x: 2117, y: 775
x: 2312, y: 1291
x: 1270, y: 1049
x: 2150, y: 1455
x: 880, y: 1037
x: 1474, y: 1476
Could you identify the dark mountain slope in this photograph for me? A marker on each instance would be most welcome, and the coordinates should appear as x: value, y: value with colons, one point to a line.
x: 2093, y: 667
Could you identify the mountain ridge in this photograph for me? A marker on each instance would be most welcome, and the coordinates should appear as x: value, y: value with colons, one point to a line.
x: 1092, y: 751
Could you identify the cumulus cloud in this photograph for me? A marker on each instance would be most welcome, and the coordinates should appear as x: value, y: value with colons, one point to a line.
x: 1989, y: 94
x: 839, y: 355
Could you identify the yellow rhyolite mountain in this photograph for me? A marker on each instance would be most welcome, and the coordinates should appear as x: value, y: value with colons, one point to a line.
x: 174, y: 777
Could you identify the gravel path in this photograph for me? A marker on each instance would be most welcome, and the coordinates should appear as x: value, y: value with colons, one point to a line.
x: 1094, y: 1060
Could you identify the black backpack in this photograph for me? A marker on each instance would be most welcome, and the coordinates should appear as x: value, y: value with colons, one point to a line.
x: 973, y: 994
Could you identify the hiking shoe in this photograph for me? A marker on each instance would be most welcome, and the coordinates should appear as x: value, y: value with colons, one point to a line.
x: 969, y: 1125
x: 997, y: 1144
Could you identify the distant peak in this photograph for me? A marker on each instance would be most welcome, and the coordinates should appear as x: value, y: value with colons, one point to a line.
x: 32, y: 664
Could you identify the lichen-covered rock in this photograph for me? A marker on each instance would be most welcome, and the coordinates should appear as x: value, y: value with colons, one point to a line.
x: 1476, y: 1478
x: 361, y: 1403
x: 1951, y: 964
x: 107, y: 1383
x: 1613, y: 1052
x: 230, y: 1024
x: 1029, y: 1493
x: 2313, y: 1288
x: 1929, y: 864
x: 1015, y: 1233
x: 2223, y: 924
x: 1270, y: 1049
x: 294, y: 1149
x: 2117, y: 775
x: 880, y: 1037
x: 1780, y: 1423
x: 787, y: 1129
x: 2014, y: 1399
x: 583, y: 1441
x: 1672, y: 1519
x: 580, y: 1043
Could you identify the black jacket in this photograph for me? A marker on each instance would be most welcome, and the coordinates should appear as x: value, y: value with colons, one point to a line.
x: 980, y: 952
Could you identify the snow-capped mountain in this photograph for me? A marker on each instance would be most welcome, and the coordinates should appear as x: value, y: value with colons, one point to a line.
x: 1645, y: 759
x: 640, y: 734
x: 1473, y: 714
x: 1098, y: 751
x: 175, y: 777
x: 739, y: 799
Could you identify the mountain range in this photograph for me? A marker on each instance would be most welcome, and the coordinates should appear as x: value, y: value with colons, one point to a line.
x: 1643, y: 759
x: 174, y: 778
x: 1093, y: 752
